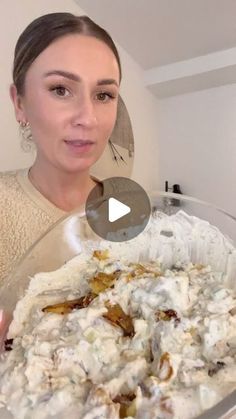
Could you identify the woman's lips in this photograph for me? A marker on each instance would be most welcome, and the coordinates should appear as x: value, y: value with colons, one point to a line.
x: 79, y: 145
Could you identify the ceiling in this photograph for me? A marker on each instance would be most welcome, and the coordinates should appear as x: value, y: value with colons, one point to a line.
x: 163, y: 33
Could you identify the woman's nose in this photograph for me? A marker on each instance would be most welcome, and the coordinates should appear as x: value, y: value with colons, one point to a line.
x: 85, y: 112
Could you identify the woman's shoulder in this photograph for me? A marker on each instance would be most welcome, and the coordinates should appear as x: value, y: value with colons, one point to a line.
x: 8, y: 195
x: 8, y: 180
x: 8, y: 177
x: 10, y: 186
x: 13, y: 198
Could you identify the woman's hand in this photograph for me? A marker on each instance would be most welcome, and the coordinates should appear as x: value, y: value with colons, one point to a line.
x: 5, y: 320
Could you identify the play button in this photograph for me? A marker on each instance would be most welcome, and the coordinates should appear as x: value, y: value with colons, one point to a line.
x: 118, y: 209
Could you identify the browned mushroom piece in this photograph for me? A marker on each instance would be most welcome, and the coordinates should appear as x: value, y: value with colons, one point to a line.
x: 127, y: 404
x: 167, y: 315
x: 117, y: 317
x: 139, y: 270
x: 101, y: 254
x: 232, y: 311
x: 214, y: 368
x: 67, y: 306
x: 165, y: 369
x: 102, y: 281
x: 8, y: 344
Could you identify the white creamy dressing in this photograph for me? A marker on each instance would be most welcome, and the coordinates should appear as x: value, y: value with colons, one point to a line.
x: 75, y: 365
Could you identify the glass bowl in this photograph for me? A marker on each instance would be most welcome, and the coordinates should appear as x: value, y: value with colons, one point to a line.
x: 207, y: 236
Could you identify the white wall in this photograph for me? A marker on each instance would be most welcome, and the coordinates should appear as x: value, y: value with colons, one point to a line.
x: 197, y: 144
x: 15, y: 15
x: 142, y: 108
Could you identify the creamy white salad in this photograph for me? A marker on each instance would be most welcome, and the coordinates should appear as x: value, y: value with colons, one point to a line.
x: 115, y: 335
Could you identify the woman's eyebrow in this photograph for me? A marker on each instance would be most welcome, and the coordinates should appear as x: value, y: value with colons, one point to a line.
x: 77, y: 78
x: 107, y: 81
x: 62, y: 73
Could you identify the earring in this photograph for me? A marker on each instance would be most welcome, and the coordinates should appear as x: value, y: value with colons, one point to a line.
x: 27, y: 138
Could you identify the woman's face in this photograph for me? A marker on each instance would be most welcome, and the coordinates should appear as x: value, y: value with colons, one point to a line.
x: 70, y: 101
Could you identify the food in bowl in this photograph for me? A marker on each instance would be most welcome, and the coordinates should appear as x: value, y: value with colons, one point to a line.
x: 143, y: 329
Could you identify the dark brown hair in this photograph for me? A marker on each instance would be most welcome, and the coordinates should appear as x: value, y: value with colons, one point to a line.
x: 43, y: 31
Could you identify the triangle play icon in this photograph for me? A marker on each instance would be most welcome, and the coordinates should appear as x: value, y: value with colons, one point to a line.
x: 116, y: 209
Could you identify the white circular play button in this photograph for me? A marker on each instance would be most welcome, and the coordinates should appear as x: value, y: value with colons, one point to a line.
x: 116, y: 210
x: 120, y: 211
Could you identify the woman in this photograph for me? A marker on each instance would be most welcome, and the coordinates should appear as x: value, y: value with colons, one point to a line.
x: 66, y: 79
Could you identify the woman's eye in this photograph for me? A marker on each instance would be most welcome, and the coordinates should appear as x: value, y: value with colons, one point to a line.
x: 60, y: 91
x: 105, y: 96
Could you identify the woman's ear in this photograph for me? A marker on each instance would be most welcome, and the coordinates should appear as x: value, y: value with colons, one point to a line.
x: 18, y: 104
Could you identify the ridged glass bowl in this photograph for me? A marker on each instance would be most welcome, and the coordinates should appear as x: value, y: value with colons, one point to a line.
x: 185, y: 228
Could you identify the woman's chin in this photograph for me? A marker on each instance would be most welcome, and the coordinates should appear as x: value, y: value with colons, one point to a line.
x: 81, y: 166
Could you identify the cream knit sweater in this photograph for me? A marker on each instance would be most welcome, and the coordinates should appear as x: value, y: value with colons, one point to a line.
x: 25, y: 214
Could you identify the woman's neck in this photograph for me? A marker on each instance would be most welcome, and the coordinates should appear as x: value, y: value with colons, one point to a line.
x: 66, y: 191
